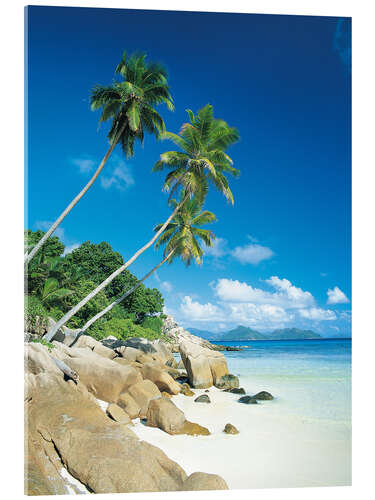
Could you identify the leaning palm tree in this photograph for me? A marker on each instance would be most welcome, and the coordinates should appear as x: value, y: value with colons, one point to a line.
x: 203, y: 142
x: 181, y: 239
x: 214, y: 136
x: 129, y: 103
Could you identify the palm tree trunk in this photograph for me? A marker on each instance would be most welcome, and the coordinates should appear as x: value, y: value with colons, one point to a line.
x: 29, y: 256
x: 126, y: 294
x: 50, y: 335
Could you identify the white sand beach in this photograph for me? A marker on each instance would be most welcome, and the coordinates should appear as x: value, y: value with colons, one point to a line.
x: 272, y: 449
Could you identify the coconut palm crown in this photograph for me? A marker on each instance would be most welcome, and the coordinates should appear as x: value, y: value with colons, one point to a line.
x: 203, y: 142
x: 129, y: 102
x: 183, y: 234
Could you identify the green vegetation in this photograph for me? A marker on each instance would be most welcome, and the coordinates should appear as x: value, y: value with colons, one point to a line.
x: 91, y: 288
x: 130, y: 103
x: 44, y: 342
x: 203, y: 159
x: 181, y: 238
x: 55, y: 283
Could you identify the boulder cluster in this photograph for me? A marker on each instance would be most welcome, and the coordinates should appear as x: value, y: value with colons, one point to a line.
x: 66, y: 428
x: 70, y: 382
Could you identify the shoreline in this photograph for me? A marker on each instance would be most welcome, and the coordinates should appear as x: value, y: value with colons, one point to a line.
x: 270, y: 451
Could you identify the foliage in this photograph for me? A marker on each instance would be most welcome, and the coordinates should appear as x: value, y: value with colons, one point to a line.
x: 55, y: 283
x: 44, y: 342
x: 129, y: 102
x: 51, y: 248
x: 33, y: 309
x: 183, y: 233
x: 154, y: 323
x: 202, y: 158
x: 122, y: 329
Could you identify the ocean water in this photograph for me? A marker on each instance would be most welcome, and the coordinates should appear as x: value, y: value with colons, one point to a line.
x: 308, y: 378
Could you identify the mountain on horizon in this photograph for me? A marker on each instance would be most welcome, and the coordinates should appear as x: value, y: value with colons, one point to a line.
x: 246, y: 333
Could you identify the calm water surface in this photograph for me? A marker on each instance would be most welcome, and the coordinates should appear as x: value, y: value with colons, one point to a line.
x: 309, y: 378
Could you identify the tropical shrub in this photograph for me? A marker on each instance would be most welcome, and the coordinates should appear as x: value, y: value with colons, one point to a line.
x: 35, y: 313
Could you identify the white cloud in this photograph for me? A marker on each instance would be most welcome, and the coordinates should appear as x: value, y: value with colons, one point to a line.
x: 199, y: 312
x: 84, y: 163
x: 318, y: 314
x: 119, y: 175
x: 262, y: 316
x: 252, y: 253
x: 280, y: 306
x: 286, y: 295
x: 336, y: 296
x: 166, y: 286
x: 218, y: 249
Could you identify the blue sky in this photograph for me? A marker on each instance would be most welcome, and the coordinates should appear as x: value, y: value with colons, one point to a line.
x: 283, y: 251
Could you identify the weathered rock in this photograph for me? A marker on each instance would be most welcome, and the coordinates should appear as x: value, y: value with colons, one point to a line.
x: 64, y: 419
x: 228, y: 382
x: 161, y: 378
x: 172, y: 363
x: 203, y: 398
x: 193, y: 429
x: 263, y: 396
x: 142, y: 393
x: 236, y: 390
x: 174, y: 373
x: 118, y: 414
x: 129, y: 353
x: 230, y: 429
x: 103, y: 377
x: 200, y: 481
x: 186, y: 391
x: 95, y: 346
x: 177, y: 334
x: 127, y: 403
x: 203, y: 366
x: 163, y: 413
x: 248, y: 400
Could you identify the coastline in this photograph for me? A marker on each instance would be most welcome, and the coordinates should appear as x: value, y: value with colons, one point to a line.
x: 280, y: 444
x: 270, y: 451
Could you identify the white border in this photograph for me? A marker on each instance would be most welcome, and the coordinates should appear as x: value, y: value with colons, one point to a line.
x: 11, y: 199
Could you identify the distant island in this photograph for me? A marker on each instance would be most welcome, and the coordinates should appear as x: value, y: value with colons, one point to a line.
x: 247, y: 333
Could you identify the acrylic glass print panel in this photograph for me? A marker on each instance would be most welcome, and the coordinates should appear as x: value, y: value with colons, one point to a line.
x: 187, y: 251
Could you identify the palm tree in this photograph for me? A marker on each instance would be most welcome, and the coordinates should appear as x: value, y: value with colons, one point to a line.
x: 181, y: 239
x: 214, y: 136
x: 129, y: 103
x: 203, y: 142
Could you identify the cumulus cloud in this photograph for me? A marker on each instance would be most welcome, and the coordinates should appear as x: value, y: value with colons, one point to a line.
x: 336, y: 296
x: 278, y: 304
x: 252, y: 253
x: 199, y: 312
x: 285, y: 295
x: 318, y: 314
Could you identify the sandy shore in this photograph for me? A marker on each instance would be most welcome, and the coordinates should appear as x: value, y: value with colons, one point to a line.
x: 271, y: 450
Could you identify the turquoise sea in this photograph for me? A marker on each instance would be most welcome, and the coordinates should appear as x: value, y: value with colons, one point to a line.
x: 309, y: 378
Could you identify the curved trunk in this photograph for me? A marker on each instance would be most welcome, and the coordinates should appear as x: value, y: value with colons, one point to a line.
x: 50, y: 335
x: 29, y: 256
x: 126, y: 294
